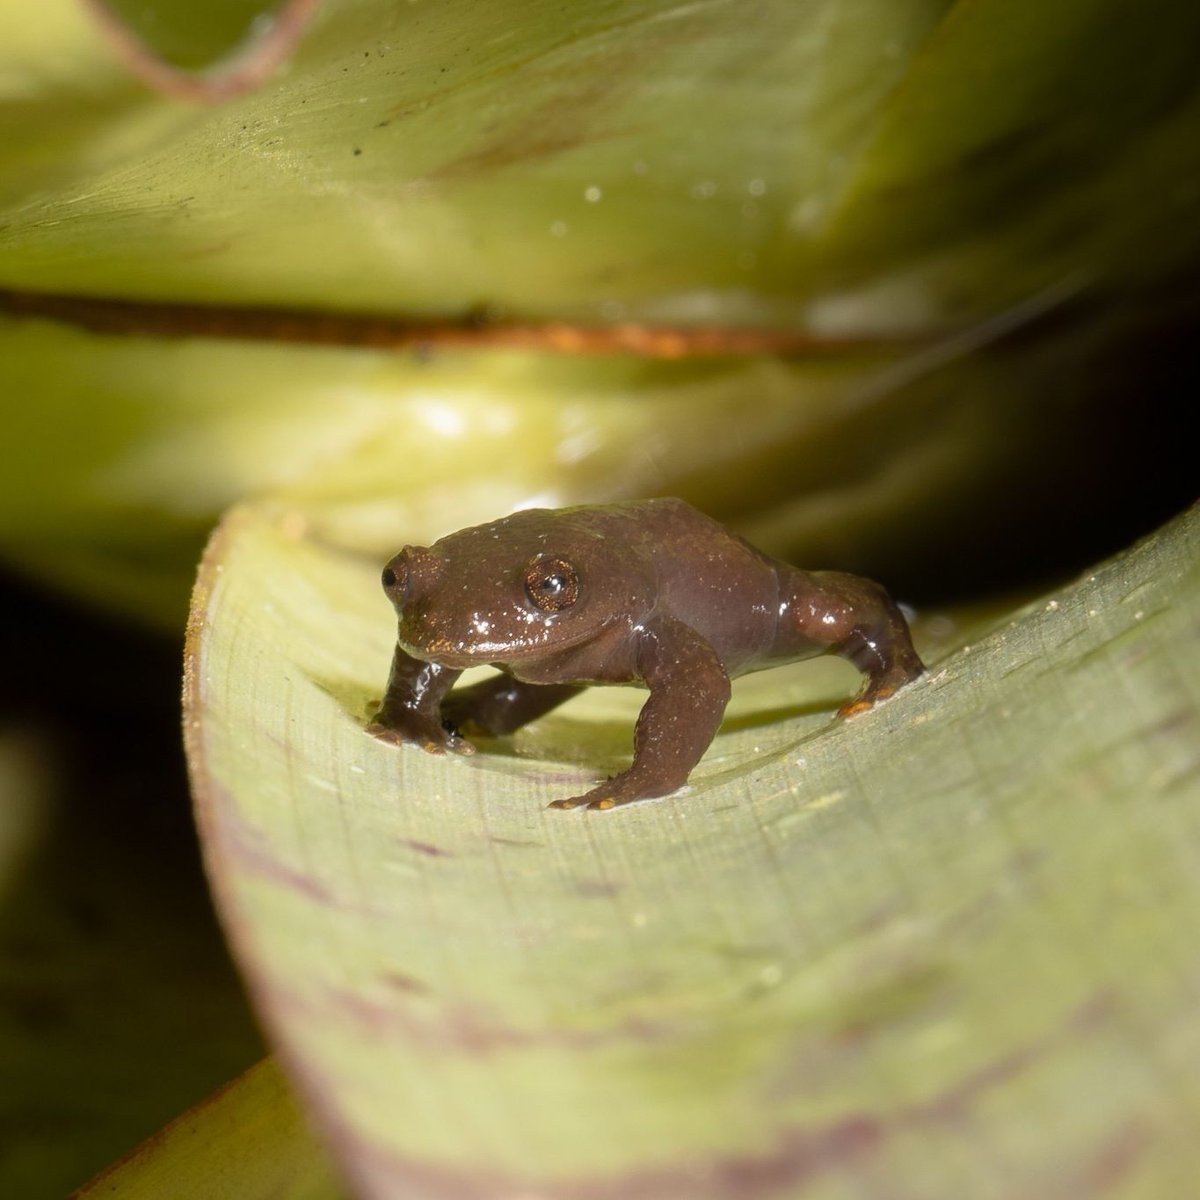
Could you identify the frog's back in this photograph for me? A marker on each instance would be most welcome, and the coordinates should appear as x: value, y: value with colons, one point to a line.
x: 706, y: 576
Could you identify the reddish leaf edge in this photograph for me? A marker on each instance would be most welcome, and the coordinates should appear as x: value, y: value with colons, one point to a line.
x: 247, y: 67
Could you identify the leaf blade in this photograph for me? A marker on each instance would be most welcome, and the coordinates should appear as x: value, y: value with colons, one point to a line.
x: 248, y: 1139
x: 737, y: 988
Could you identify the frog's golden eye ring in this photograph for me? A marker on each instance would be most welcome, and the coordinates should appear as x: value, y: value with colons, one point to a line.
x: 551, y: 583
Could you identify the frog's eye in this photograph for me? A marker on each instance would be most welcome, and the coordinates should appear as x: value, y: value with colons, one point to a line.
x: 551, y: 583
x: 396, y: 580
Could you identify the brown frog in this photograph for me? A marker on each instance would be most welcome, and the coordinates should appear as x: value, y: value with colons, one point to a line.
x: 649, y: 592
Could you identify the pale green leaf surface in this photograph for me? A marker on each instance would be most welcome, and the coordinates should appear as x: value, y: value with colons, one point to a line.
x: 247, y: 1140
x: 818, y: 167
x: 1086, y: 110
x: 848, y: 162
x: 436, y: 157
x: 69, y: 112
x: 134, y: 447
x: 946, y: 949
x: 887, y: 462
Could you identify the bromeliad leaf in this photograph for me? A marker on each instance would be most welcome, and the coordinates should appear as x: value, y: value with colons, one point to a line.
x: 888, y: 949
x: 247, y: 1140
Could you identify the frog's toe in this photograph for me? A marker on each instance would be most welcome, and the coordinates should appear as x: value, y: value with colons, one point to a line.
x: 385, y: 733
x: 432, y: 739
x: 446, y: 741
x: 590, y: 801
x: 860, y: 704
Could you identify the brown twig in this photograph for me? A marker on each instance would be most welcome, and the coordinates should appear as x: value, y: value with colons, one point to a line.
x: 147, y: 318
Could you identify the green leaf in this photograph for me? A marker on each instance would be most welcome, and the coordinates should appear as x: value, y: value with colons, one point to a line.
x: 842, y: 166
x: 950, y: 941
x: 818, y: 169
x: 189, y: 35
x: 436, y: 158
x: 373, y: 443
x: 1007, y: 158
x: 247, y: 1140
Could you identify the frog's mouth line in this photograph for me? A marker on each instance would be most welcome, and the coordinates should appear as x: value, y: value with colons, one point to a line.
x: 447, y: 652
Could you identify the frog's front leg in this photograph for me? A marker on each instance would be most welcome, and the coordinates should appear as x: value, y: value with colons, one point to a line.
x: 855, y: 618
x: 689, y: 690
x: 411, y: 710
x: 502, y: 704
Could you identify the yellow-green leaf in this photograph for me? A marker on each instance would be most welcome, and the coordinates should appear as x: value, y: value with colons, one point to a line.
x: 950, y: 945
x: 247, y: 1140
x: 833, y: 167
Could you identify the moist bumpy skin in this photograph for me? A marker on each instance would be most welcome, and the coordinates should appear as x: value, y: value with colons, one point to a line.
x: 649, y: 592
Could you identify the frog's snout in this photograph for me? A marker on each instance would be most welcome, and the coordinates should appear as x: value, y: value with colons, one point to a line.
x: 411, y: 574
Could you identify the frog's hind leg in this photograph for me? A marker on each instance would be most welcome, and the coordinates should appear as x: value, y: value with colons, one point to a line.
x: 502, y: 704
x: 838, y: 613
